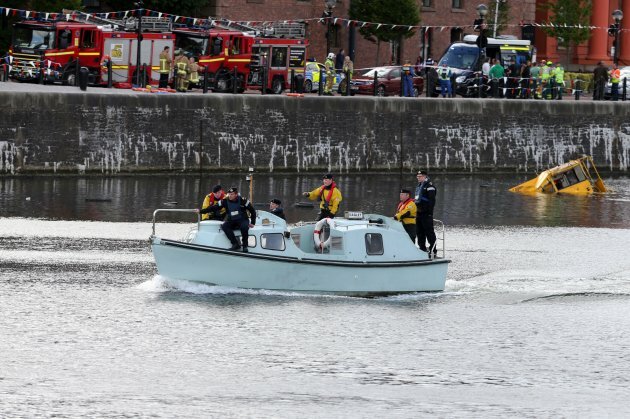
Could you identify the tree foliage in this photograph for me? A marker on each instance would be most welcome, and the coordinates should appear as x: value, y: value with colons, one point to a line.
x: 400, y: 12
x: 571, y: 13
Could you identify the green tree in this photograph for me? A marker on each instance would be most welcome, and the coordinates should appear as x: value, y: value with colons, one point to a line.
x: 572, y: 14
x: 403, y: 13
x: 503, y: 16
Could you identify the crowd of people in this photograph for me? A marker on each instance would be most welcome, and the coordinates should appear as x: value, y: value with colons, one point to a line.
x: 415, y: 212
x: 185, y: 70
x: 529, y: 80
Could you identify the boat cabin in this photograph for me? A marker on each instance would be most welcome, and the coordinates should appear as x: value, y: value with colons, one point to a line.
x: 356, y: 237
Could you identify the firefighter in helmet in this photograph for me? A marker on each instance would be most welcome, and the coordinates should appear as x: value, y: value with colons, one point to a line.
x: 181, y: 66
x: 329, y: 65
x: 165, y: 66
x: 193, y: 72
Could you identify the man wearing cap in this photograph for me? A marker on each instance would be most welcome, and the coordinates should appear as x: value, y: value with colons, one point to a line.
x: 425, y: 201
x: 329, y: 196
x: 209, y: 201
x: 237, y: 208
x: 406, y: 213
x: 275, y: 206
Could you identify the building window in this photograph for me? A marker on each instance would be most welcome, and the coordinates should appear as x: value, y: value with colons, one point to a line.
x: 374, y: 244
x: 255, y: 1
x: 427, y: 3
x: 456, y: 34
x: 457, y: 4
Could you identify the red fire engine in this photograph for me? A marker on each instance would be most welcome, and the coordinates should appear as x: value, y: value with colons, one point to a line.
x: 272, y: 62
x: 59, y: 48
x: 221, y: 52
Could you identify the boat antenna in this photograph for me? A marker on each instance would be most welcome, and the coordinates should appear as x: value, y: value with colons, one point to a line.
x: 250, y: 177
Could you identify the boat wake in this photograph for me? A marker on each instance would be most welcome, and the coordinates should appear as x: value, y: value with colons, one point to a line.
x: 161, y: 283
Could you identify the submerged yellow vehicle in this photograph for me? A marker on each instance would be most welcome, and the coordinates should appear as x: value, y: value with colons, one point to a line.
x: 573, y: 177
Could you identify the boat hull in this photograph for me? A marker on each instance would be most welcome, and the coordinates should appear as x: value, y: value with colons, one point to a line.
x: 215, y: 266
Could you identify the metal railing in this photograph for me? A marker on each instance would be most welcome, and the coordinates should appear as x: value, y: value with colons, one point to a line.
x: 440, y: 237
x: 155, y: 213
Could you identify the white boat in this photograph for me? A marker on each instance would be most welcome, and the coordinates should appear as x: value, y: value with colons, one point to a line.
x: 363, y: 255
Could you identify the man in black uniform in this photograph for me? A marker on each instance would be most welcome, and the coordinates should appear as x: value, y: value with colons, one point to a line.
x: 275, y: 206
x: 236, y: 208
x: 425, y: 201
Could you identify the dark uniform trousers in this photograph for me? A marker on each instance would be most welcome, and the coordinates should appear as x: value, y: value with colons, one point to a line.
x: 229, y: 226
x: 425, y: 231
x: 411, y: 230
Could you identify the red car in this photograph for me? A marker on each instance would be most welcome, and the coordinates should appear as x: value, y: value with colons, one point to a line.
x: 388, y: 82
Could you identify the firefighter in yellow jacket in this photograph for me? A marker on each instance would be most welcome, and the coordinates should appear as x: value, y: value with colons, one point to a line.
x: 165, y: 66
x: 329, y: 196
x: 406, y: 213
x: 181, y: 71
x: 214, y: 213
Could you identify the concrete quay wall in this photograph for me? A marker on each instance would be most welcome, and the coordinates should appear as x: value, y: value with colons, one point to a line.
x: 55, y: 133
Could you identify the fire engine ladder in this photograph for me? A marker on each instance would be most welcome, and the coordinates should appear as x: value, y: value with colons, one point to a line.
x: 230, y: 25
x: 83, y: 17
x: 150, y: 24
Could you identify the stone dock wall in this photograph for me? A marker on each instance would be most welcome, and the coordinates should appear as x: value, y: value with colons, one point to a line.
x: 55, y: 133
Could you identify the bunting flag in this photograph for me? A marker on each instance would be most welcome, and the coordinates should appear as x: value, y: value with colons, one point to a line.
x: 211, y: 21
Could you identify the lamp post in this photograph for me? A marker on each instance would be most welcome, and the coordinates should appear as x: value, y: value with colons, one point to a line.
x: 479, y: 24
x: 139, y: 5
x: 496, y: 16
x: 617, y: 15
x: 329, y: 4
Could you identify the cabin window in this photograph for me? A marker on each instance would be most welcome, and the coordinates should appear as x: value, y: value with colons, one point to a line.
x: 272, y: 241
x: 374, y: 244
x: 88, y: 40
x: 251, y: 241
x: 279, y: 58
x: 336, y: 243
x: 579, y: 173
x: 296, y: 239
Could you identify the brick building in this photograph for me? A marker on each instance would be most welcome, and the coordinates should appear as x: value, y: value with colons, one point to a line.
x: 449, y: 20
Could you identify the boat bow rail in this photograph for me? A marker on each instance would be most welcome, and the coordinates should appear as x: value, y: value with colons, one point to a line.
x: 161, y: 210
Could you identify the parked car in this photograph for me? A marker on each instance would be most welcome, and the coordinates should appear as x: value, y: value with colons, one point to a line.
x: 388, y: 82
x: 311, y: 77
x: 624, y: 72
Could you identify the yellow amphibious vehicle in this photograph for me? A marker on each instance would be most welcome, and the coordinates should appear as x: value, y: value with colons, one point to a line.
x: 573, y: 177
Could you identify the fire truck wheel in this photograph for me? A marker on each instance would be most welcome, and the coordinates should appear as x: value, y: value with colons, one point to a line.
x: 416, y: 92
x: 70, y: 79
x: 308, y: 86
x: 277, y: 86
x: 380, y: 91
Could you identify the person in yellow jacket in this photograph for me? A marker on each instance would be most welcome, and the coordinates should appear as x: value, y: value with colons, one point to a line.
x: 181, y: 70
x: 406, y: 213
x: 329, y: 196
x: 329, y: 65
x: 615, y: 76
x: 211, y: 200
x: 193, y: 73
x: 165, y: 66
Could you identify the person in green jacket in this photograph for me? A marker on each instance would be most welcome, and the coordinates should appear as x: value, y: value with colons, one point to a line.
x: 497, y: 72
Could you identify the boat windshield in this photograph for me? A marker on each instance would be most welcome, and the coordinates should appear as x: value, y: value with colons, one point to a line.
x: 35, y: 38
x: 462, y: 56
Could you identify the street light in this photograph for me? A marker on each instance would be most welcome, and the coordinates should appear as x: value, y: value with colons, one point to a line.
x: 329, y: 4
x: 139, y: 5
x: 496, y: 16
x: 482, y: 41
x: 617, y: 15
